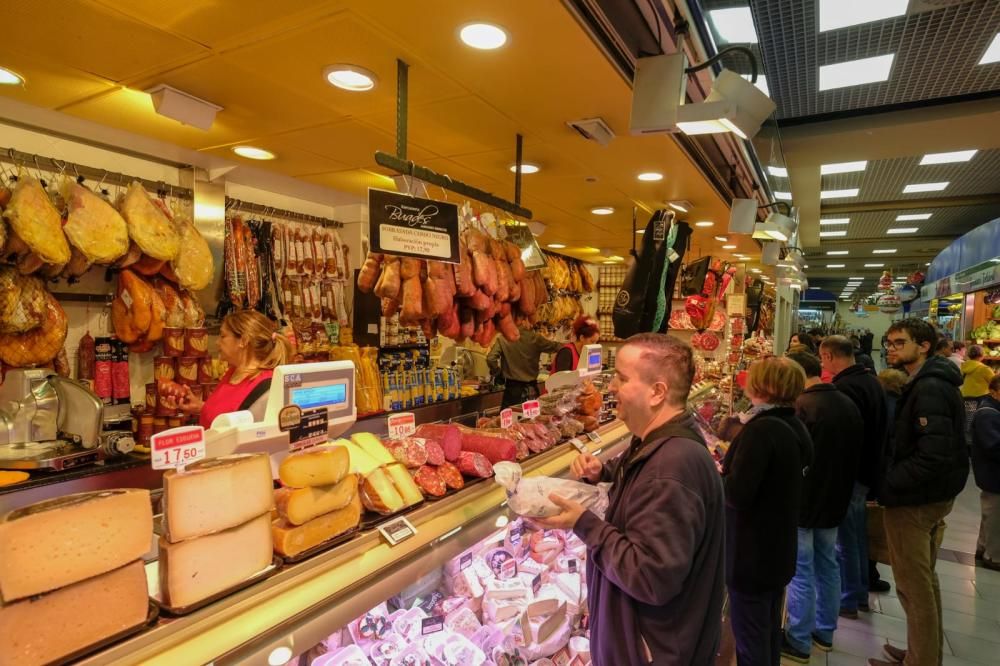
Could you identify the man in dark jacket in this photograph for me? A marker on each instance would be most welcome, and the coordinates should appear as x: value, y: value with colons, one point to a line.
x: 835, y: 426
x: 928, y: 466
x: 655, y: 562
x: 862, y: 387
x: 986, y: 467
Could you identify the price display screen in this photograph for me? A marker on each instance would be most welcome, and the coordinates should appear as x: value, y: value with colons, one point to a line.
x: 309, y: 397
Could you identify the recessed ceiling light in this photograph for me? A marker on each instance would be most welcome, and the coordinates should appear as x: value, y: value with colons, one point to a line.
x: 947, y: 158
x: 927, y: 264
x: 640, y: 231
x: 10, y: 78
x: 888, y: 251
x: 682, y: 206
x: 993, y: 52
x: 704, y: 223
x: 780, y: 172
x: 903, y: 230
x: 839, y: 194
x: 728, y: 247
x: 840, y: 252
x: 913, y: 216
x: 350, y: 77
x: 874, y: 265
x: 835, y: 14
x: 722, y: 239
x: 855, y: 72
x: 526, y: 168
x: 832, y: 234
x: 734, y: 25
x: 829, y: 222
x: 783, y: 196
x: 805, y: 266
x: 650, y: 176
x: 556, y: 246
x: 842, y: 167
x: 483, y: 36
x: 755, y: 270
x: 602, y: 210
x: 253, y: 153
x: 924, y: 187
x: 835, y: 265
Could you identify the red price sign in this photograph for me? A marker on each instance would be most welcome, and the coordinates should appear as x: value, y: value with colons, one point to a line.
x: 177, y: 447
x: 531, y: 409
x: 402, y: 425
x: 506, y: 418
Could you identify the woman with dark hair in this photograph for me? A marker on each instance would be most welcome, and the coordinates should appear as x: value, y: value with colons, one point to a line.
x: 585, y: 331
x: 802, y: 339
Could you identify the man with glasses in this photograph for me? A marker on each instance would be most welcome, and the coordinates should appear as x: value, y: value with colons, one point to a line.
x: 927, y: 468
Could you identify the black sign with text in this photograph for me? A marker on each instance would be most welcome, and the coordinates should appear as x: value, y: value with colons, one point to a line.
x: 311, y: 429
x: 404, y: 225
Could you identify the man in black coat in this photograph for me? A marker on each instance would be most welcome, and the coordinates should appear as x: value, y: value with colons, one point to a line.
x: 863, y: 388
x: 834, y: 423
x: 986, y: 467
x: 927, y: 468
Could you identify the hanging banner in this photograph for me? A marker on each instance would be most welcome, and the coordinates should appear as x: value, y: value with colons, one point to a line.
x: 404, y: 225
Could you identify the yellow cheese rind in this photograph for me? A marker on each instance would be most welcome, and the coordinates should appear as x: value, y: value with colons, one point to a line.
x: 379, y: 493
x: 300, y: 505
x: 290, y: 540
x: 62, y: 541
x: 193, y: 570
x: 373, y: 447
x: 361, y: 462
x: 216, y: 494
x: 56, y: 624
x: 405, y: 484
x: 318, y: 466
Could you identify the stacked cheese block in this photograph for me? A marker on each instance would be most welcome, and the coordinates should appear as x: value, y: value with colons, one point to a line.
x: 320, y: 499
x: 386, y: 485
x: 217, y: 527
x: 71, y: 573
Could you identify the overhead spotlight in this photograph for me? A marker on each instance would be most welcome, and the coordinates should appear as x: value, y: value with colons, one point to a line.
x: 776, y: 226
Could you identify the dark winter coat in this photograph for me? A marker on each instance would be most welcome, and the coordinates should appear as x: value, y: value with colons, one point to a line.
x: 864, y: 389
x: 762, y: 474
x: 986, y: 445
x: 928, y: 460
x: 837, y: 431
x: 655, y: 563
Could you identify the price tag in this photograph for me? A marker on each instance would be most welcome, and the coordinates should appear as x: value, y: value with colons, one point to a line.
x: 531, y: 409
x: 516, y: 532
x: 571, y: 566
x: 536, y: 583
x: 177, y: 447
x: 465, y: 561
x: 431, y: 625
x: 578, y: 444
x: 506, y: 418
x: 402, y: 425
x: 397, y: 531
x: 595, y: 436
x: 311, y: 430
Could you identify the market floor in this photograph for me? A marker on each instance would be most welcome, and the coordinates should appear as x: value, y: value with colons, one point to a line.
x: 970, y: 596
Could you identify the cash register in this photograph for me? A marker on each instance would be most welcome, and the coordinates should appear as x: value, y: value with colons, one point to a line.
x: 589, y: 365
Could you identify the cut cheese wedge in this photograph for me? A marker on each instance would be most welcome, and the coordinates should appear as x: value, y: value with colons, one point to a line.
x: 300, y: 505
x: 379, y: 493
x: 361, y: 462
x: 216, y: 494
x: 59, y: 623
x: 373, y: 447
x: 193, y: 570
x: 317, y: 466
x: 290, y: 540
x: 61, y: 541
x: 405, y: 484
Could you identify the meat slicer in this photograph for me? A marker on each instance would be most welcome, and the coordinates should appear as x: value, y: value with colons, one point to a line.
x: 48, y: 421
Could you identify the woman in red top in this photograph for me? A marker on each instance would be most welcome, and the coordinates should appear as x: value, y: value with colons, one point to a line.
x: 584, y: 332
x: 250, y: 343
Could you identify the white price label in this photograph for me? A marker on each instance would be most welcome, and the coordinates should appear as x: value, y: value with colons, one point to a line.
x: 595, y: 437
x: 397, y: 531
x: 401, y: 425
x: 531, y: 409
x: 177, y: 447
x: 506, y: 418
x: 578, y: 444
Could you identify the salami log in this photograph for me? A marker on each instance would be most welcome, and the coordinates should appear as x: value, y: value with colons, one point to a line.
x: 433, y: 451
x: 429, y: 481
x: 474, y: 464
x: 410, y: 452
x: 451, y: 476
x: 445, y: 435
x: 495, y: 449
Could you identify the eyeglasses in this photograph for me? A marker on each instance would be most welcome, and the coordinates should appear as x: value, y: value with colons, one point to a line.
x: 898, y: 343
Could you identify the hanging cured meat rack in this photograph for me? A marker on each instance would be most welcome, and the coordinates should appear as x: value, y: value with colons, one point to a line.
x: 248, y: 207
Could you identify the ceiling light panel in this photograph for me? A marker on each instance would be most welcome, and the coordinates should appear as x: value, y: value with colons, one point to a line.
x: 874, y: 265
x: 839, y: 194
x: 842, y: 167
x: 903, y: 230
x: 602, y: 210
x: 834, y: 221
x: 885, y: 251
x: 350, y: 77
x: 650, y: 176
x: 9, y: 78
x: 910, y: 217
x: 855, y: 72
x: 948, y: 158
x: 483, y: 36
x: 734, y: 25
x: 838, y: 252
x: 913, y: 188
x: 704, y: 223
x: 992, y: 52
x: 834, y: 14
x: 526, y: 168
x: 779, y: 172
x: 832, y: 234
x: 835, y: 265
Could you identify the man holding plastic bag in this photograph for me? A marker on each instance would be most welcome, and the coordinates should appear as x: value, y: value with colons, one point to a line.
x: 655, y: 561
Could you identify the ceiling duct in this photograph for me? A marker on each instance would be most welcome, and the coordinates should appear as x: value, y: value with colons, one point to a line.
x: 593, y: 129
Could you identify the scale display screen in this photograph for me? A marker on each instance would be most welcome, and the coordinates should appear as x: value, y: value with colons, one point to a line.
x: 594, y: 360
x: 328, y: 395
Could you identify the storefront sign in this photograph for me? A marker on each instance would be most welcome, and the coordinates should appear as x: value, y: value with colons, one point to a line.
x: 397, y: 531
x: 177, y: 447
x: 400, y: 224
x: 531, y: 254
x: 401, y: 425
x: 531, y: 409
x: 972, y: 279
x: 311, y: 430
x: 506, y: 418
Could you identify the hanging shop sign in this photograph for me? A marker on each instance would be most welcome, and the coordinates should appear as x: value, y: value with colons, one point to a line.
x: 531, y: 255
x: 978, y: 277
x: 409, y: 226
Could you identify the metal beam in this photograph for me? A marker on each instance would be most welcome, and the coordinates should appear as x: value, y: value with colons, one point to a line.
x: 518, y: 150
x: 911, y: 204
x: 402, y: 99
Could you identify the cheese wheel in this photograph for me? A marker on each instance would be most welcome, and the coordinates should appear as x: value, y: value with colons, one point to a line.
x: 56, y: 624
x: 361, y: 462
x: 405, y: 484
x: 378, y: 493
x: 300, y: 505
x: 193, y: 570
x: 371, y: 445
x: 317, y: 466
x: 290, y: 540
x: 216, y: 494
x: 62, y: 541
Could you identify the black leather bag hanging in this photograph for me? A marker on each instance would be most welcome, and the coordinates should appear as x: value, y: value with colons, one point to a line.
x: 630, y: 303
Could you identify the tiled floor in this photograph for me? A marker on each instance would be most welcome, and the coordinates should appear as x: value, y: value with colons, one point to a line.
x: 970, y: 598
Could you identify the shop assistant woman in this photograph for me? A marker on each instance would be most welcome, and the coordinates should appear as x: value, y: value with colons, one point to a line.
x: 584, y: 332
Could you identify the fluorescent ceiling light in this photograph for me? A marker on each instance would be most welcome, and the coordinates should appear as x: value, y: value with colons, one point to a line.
x: 526, y: 168
x: 350, y: 77
x: 993, y: 52
x: 780, y: 172
x: 704, y: 223
x: 855, y: 279
x: 834, y: 14
x: 835, y: 252
x: 947, y: 158
x: 839, y: 194
x: 783, y: 196
x: 722, y: 239
x: 903, y: 230
x: 889, y: 251
x: 728, y: 247
x: 924, y: 187
x: 835, y: 265
x: 602, y: 210
x: 483, y: 36
x: 832, y: 234
x: 855, y: 72
x: 874, y: 265
x: 734, y: 25
x: 913, y: 216
x: 650, y: 176
x: 834, y: 220
x: 556, y: 246
x: 10, y: 78
x: 250, y: 152
x: 842, y: 167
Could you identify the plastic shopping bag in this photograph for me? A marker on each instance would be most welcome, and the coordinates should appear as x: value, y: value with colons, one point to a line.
x: 529, y: 496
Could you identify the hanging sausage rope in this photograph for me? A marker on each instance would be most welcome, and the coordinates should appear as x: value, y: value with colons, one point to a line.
x: 248, y: 207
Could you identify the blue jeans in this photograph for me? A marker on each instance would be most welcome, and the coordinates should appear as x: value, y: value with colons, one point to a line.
x: 852, y: 552
x: 814, y: 593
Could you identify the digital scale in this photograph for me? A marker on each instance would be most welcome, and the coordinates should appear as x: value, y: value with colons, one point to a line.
x: 591, y: 359
x: 325, y: 386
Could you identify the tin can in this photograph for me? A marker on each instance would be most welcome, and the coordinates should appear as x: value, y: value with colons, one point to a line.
x: 187, y: 370
x: 145, y: 428
x: 205, y: 375
x: 173, y: 341
x: 159, y: 424
x: 196, y: 342
x: 163, y: 368
x: 151, y: 397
